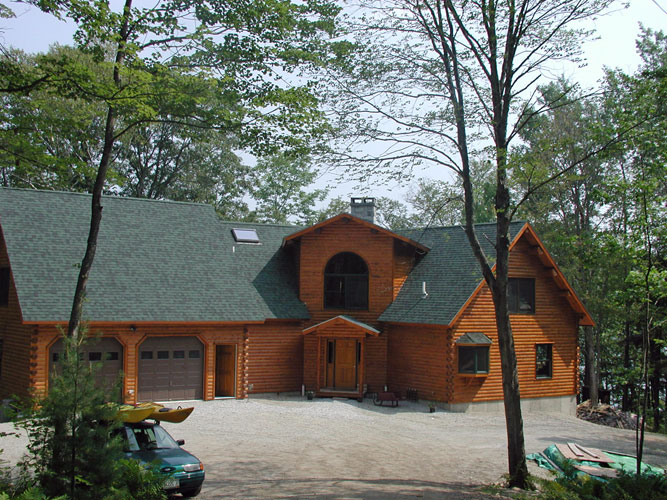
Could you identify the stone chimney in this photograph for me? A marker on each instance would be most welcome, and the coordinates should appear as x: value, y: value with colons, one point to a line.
x: 364, y: 208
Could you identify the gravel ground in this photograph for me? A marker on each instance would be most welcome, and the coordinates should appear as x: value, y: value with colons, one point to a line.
x: 287, y: 447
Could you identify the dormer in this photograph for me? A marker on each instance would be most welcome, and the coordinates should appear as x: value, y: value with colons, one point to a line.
x: 348, y: 265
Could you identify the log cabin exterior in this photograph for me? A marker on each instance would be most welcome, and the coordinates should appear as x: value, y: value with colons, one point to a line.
x: 191, y: 307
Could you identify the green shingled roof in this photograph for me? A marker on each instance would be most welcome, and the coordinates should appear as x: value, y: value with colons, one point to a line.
x: 156, y: 261
x: 449, y: 270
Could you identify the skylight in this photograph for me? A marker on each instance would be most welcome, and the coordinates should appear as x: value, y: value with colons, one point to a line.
x: 245, y: 235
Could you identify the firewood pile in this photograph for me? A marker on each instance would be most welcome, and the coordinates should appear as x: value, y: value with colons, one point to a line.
x: 604, y: 414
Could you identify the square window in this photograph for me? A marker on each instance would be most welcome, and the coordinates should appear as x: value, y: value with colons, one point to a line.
x: 179, y: 354
x: 521, y: 295
x: 146, y: 354
x: 543, y: 360
x: 163, y: 355
x: 94, y: 356
x: 474, y: 359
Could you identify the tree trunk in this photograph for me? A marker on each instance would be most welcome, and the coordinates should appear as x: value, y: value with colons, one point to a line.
x: 591, y: 366
x: 656, y: 375
x: 626, y: 403
x: 96, y: 211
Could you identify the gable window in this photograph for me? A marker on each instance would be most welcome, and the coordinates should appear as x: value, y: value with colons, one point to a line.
x: 4, y: 286
x: 346, y: 282
x: 521, y: 295
x: 473, y: 353
x: 543, y: 360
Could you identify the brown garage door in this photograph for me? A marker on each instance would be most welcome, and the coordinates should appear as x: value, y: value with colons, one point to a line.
x: 106, y: 351
x: 171, y: 368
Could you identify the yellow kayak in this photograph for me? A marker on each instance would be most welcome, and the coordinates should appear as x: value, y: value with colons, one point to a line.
x: 164, y: 414
x: 133, y: 414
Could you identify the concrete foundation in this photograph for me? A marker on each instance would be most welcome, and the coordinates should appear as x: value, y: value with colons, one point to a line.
x: 565, y: 405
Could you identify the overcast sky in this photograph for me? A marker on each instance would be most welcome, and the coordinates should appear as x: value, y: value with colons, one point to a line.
x: 617, y: 31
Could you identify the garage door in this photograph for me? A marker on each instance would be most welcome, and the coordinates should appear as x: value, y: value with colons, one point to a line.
x: 107, y: 352
x: 171, y: 368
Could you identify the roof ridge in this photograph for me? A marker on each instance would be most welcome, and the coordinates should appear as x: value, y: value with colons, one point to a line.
x: 107, y: 196
x: 262, y: 224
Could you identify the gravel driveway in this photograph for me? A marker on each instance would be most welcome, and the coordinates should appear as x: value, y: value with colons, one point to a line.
x: 280, y: 447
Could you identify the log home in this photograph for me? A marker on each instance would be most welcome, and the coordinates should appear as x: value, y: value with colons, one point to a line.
x: 190, y: 307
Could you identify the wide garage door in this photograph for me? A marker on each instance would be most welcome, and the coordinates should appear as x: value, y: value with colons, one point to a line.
x: 171, y: 368
x: 106, y: 352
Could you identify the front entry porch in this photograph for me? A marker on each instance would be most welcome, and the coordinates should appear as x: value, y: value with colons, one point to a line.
x: 334, y: 351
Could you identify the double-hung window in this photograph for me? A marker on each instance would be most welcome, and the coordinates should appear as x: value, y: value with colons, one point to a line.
x: 521, y: 295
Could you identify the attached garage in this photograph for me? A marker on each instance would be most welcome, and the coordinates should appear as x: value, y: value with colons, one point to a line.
x: 171, y: 368
x: 107, y: 352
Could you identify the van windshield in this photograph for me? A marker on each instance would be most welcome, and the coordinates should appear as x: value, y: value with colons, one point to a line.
x: 148, y: 437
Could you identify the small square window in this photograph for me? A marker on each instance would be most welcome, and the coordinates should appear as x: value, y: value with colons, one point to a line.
x: 55, y: 357
x: 163, y: 355
x: 543, y: 360
x: 94, y: 356
x: 193, y: 354
x: 146, y: 354
x: 521, y: 295
x: 179, y: 354
x: 474, y: 359
x: 111, y: 356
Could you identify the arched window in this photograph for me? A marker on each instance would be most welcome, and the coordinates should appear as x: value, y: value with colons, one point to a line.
x: 346, y: 282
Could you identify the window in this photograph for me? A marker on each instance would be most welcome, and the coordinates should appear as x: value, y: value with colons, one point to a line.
x: 4, y: 286
x: 521, y: 295
x: 473, y: 350
x: 112, y: 356
x: 543, y: 360
x: 94, y: 356
x: 163, y: 355
x: 146, y: 354
x: 179, y: 354
x: 474, y: 359
x: 346, y: 282
x: 193, y: 354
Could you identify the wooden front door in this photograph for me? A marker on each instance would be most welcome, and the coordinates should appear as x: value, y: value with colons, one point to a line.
x: 225, y: 370
x: 342, y: 364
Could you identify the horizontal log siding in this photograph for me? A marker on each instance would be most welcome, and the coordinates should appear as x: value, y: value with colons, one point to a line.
x: 375, y: 356
x: 404, y: 260
x: 553, y: 322
x: 317, y: 247
x: 209, y: 335
x: 417, y: 358
x: 275, y: 358
x: 311, y: 345
x: 17, y: 366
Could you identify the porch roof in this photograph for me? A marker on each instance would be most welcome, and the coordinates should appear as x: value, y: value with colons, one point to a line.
x: 357, y: 325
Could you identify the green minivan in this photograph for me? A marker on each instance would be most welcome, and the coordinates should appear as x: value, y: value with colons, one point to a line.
x: 150, y: 443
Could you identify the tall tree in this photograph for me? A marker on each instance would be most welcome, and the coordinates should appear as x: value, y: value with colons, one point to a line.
x: 280, y: 187
x: 439, y: 76
x: 230, y: 53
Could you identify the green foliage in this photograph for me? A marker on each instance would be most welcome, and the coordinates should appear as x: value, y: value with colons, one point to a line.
x: 584, y: 487
x: 280, y: 183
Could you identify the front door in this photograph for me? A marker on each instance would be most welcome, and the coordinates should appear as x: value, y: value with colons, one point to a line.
x: 225, y: 370
x: 342, y: 364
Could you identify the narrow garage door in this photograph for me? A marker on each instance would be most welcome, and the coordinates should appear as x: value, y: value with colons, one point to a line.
x: 107, y: 352
x: 171, y: 368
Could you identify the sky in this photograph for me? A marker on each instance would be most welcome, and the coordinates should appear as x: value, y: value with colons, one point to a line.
x: 614, y: 47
